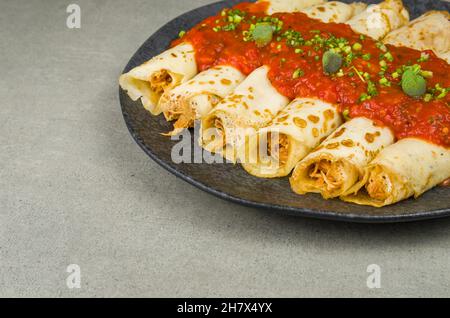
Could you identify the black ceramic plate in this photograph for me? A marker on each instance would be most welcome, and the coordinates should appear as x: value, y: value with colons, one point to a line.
x: 232, y: 182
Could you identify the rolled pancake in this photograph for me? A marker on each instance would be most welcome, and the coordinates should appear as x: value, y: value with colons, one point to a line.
x: 334, y: 11
x: 408, y: 168
x: 274, y: 150
x: 333, y: 177
x: 160, y: 74
x: 252, y: 105
x: 338, y: 163
x: 194, y: 99
x: 277, y: 6
x: 380, y: 19
x: 430, y: 31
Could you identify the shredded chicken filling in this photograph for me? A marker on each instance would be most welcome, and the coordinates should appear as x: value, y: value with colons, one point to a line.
x: 160, y: 80
x: 221, y: 133
x: 281, y: 152
x: 215, y: 141
x: 327, y: 174
x: 185, y: 116
x: 379, y: 186
x: 185, y: 111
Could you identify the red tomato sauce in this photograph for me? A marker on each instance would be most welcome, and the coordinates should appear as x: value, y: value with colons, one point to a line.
x: 406, y: 116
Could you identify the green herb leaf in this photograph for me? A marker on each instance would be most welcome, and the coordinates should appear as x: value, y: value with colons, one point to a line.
x: 262, y: 34
x: 331, y: 62
x: 372, y: 88
x: 413, y: 84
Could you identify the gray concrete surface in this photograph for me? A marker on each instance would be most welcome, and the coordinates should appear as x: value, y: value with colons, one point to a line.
x: 74, y: 187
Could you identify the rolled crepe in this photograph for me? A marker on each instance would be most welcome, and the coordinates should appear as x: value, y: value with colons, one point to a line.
x: 252, y: 105
x: 300, y: 127
x: 408, y: 168
x: 273, y: 151
x: 339, y: 162
x: 160, y: 74
x: 276, y: 6
x: 334, y: 11
x: 194, y: 99
x: 431, y: 31
x: 380, y: 19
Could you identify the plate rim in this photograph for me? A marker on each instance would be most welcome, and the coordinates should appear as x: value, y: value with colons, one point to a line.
x: 281, y: 209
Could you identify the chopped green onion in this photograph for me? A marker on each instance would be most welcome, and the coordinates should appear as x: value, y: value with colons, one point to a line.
x: 385, y: 82
x: 381, y: 46
x: 442, y: 95
x: 357, y: 46
x: 371, y: 88
x: 388, y: 56
x: 237, y: 18
x: 423, y: 57
x: 364, y: 97
x: 428, y: 97
x: 366, y: 57
x: 347, y: 49
x: 426, y: 74
x: 298, y: 73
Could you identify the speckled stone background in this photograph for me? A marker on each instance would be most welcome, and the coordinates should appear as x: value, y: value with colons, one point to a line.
x: 75, y: 188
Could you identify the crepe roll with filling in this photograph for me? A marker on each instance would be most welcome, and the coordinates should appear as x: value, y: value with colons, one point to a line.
x: 273, y: 151
x: 278, y: 6
x: 430, y: 31
x: 338, y: 163
x: 194, y: 99
x: 252, y: 105
x: 162, y: 73
x: 334, y: 11
x: 378, y: 20
x: 407, y: 168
